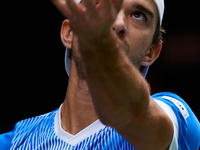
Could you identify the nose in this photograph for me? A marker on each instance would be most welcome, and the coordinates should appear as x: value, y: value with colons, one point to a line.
x: 119, y: 25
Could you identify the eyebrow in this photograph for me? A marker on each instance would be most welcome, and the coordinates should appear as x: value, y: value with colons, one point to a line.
x: 143, y: 9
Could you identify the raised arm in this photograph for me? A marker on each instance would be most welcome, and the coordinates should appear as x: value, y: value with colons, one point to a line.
x: 120, y: 94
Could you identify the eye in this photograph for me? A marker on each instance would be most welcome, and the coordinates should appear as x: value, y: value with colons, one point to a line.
x: 139, y: 16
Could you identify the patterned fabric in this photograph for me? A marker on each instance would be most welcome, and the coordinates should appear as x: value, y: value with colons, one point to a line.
x: 38, y: 133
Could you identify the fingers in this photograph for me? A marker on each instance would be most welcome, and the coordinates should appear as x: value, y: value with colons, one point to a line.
x: 73, y: 8
x: 69, y: 8
x: 62, y: 6
x: 110, y: 5
x: 117, y: 4
x: 90, y: 6
x: 106, y: 4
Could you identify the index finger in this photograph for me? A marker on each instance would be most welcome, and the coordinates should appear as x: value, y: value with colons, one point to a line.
x: 66, y: 7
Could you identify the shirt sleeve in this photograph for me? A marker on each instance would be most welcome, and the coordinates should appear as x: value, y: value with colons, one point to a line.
x: 186, y: 125
x: 172, y: 116
x: 5, y: 140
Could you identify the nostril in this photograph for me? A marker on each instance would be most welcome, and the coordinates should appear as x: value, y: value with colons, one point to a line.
x: 122, y: 32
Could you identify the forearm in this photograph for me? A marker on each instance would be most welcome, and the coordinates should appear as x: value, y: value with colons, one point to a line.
x: 118, y: 89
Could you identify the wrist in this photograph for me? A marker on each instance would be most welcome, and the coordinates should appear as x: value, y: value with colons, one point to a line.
x: 101, y: 53
x: 101, y: 44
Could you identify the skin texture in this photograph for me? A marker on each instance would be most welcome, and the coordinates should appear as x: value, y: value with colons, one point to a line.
x: 110, y: 41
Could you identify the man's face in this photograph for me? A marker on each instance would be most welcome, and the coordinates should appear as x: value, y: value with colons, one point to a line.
x: 135, y: 27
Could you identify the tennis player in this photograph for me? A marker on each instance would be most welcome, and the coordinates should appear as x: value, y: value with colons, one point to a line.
x: 108, y: 106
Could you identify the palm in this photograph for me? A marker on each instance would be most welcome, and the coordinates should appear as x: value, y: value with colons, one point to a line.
x: 89, y: 18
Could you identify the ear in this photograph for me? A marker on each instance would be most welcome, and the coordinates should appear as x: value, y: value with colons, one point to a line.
x: 66, y: 34
x: 152, y: 54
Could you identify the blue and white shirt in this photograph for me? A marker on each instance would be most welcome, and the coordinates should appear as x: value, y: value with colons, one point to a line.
x: 45, y: 132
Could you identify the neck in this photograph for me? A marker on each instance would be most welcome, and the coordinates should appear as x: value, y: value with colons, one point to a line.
x: 77, y: 111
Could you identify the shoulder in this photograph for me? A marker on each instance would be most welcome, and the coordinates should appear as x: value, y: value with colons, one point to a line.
x: 24, y: 128
x: 5, y: 140
x: 186, y: 124
x: 29, y: 123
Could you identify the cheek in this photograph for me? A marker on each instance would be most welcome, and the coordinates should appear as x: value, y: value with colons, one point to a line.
x: 140, y: 42
x: 75, y: 49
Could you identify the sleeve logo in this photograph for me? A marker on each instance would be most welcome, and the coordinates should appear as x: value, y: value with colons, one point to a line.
x: 179, y: 105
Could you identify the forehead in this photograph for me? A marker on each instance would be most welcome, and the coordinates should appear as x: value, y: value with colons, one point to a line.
x: 148, y: 4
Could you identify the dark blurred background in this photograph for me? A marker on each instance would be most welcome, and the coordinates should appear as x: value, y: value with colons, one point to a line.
x: 34, y: 82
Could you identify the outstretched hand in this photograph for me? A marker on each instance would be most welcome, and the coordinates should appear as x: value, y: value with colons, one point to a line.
x: 91, y: 18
